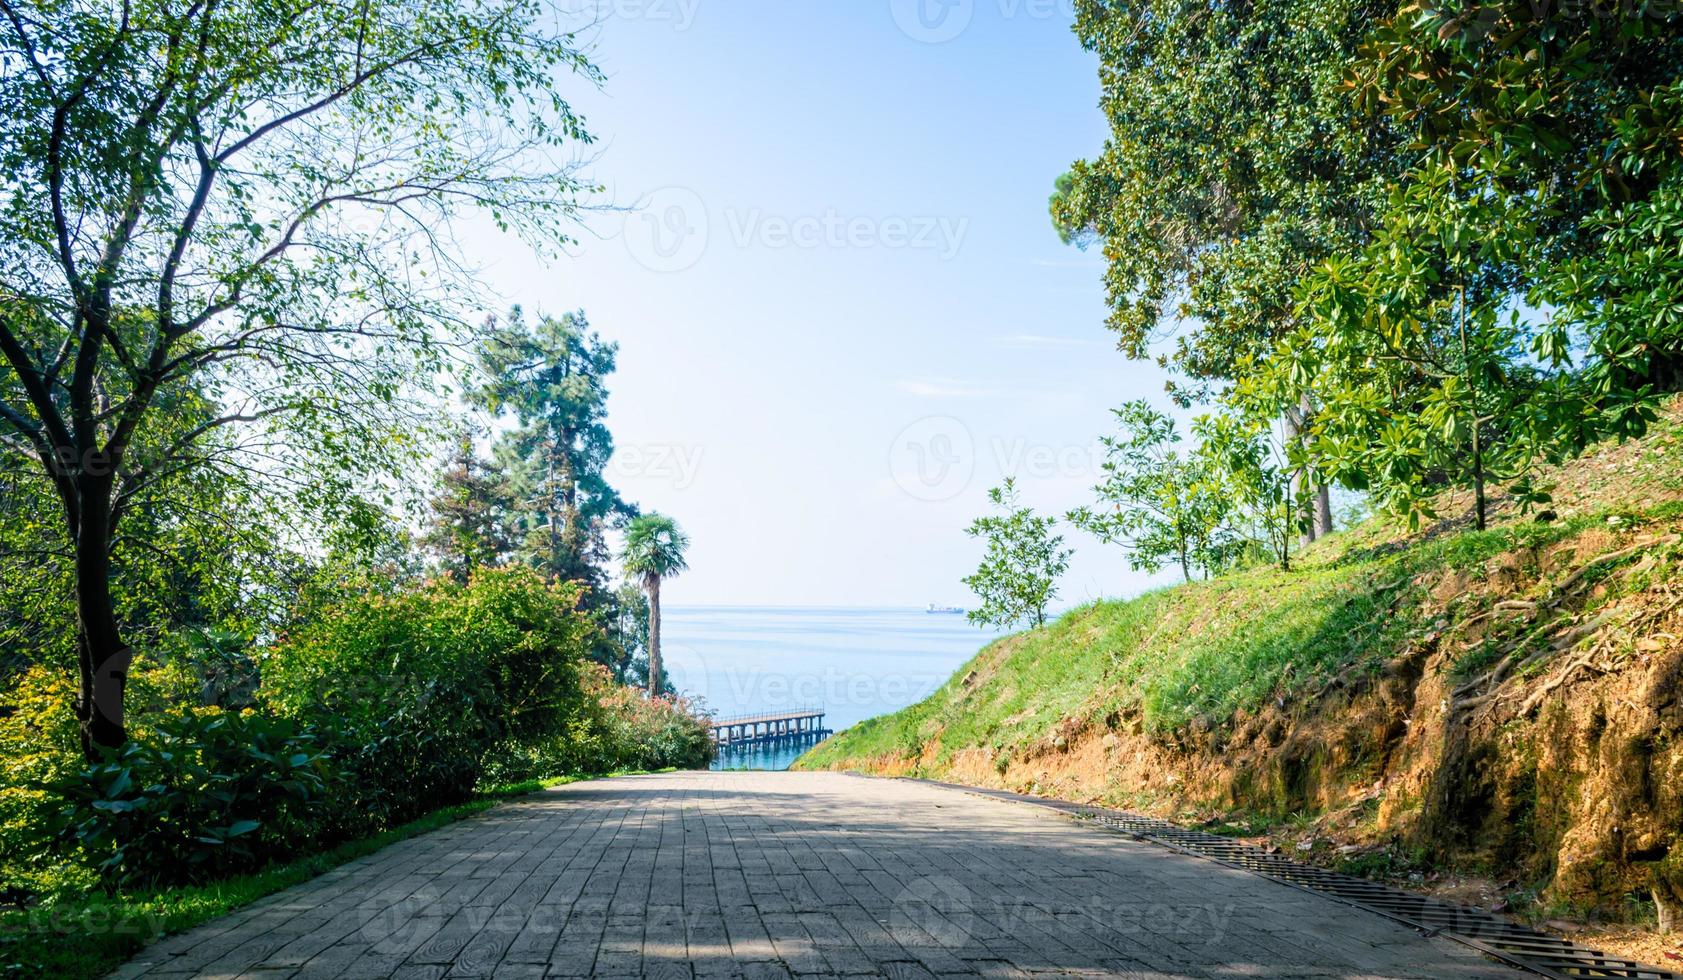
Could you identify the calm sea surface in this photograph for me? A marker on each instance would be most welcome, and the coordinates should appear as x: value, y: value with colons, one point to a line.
x: 853, y: 663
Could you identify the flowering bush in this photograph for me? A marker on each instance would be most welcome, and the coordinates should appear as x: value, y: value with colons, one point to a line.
x: 651, y: 733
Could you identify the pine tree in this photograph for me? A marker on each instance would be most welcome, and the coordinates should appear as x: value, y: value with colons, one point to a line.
x: 550, y: 377
x: 469, y: 527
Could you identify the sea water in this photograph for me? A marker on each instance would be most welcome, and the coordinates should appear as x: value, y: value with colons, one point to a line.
x: 851, y: 663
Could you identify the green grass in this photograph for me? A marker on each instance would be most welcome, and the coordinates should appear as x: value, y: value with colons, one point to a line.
x: 1199, y: 651
x: 86, y: 938
x: 1197, y: 655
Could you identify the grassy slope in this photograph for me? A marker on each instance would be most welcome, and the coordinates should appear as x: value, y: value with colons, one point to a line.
x: 1192, y: 657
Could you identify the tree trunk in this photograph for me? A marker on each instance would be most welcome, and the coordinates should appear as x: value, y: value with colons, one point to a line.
x: 104, y: 658
x: 654, y: 637
x: 1296, y: 421
x: 1471, y: 375
x: 1479, y: 504
x: 1320, y: 523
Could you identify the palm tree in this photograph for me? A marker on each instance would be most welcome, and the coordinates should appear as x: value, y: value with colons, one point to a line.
x: 654, y: 550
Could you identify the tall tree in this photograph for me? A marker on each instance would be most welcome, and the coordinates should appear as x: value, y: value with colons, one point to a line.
x: 627, y: 627
x: 246, y: 199
x: 1229, y: 169
x: 1250, y: 469
x: 550, y: 377
x: 1427, y: 373
x: 1564, y: 120
x: 1228, y: 173
x: 655, y: 549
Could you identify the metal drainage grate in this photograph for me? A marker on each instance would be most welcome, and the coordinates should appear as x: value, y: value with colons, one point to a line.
x: 1513, y: 944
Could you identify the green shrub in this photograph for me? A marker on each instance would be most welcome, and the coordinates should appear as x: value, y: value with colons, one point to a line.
x: 39, y: 748
x: 205, y: 794
x: 418, y: 691
x: 616, y: 729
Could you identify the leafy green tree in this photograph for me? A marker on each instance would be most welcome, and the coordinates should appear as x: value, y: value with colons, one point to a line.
x: 627, y: 627
x: 1156, y: 501
x: 470, y: 515
x: 1426, y: 374
x: 1019, y: 574
x: 1228, y: 168
x: 1065, y: 216
x: 199, y: 550
x: 1619, y: 299
x: 1565, y: 115
x: 655, y: 549
x: 550, y: 376
x: 1516, y: 302
x: 1252, y: 472
x: 244, y: 200
x: 1503, y: 316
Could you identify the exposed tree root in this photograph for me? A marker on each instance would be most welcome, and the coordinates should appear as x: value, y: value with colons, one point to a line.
x: 1585, y: 662
x: 1465, y: 698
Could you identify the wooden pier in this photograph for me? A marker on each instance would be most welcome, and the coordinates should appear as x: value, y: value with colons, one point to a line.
x: 804, y: 724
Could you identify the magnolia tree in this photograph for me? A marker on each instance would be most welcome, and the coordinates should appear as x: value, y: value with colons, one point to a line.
x: 248, y: 203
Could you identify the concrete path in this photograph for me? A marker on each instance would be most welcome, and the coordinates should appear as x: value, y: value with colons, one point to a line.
x: 773, y: 874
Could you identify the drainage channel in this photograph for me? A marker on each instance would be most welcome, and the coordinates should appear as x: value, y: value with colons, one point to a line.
x: 1491, y: 934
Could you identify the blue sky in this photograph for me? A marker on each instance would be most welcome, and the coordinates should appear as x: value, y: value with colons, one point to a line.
x: 842, y: 311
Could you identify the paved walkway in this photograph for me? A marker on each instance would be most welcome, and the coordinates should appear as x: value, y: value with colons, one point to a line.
x: 773, y: 874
